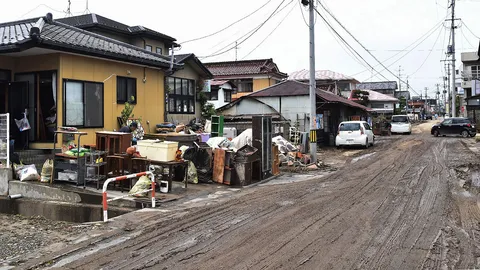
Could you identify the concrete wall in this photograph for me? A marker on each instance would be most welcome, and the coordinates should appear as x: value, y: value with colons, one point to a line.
x: 5, y: 177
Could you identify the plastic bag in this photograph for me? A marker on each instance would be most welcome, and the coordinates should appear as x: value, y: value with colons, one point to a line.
x: 27, y: 172
x: 46, y: 174
x: 192, y: 176
x: 23, y: 123
x: 143, y: 184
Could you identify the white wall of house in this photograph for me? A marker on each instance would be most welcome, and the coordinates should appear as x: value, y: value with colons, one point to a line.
x: 382, y: 106
x: 221, y: 96
x: 293, y: 108
x: 248, y: 106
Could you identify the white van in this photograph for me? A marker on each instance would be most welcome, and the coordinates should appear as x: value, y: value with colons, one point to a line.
x: 401, y: 124
x: 354, y: 133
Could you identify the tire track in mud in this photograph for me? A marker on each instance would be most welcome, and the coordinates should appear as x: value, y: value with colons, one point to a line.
x: 386, y: 212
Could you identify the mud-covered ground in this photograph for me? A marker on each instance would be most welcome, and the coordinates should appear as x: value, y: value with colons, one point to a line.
x: 407, y: 203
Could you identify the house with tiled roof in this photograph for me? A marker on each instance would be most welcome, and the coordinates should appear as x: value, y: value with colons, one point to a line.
x: 248, y: 75
x: 327, y: 80
x: 289, y: 100
x: 386, y: 88
x: 377, y: 102
x: 80, y: 71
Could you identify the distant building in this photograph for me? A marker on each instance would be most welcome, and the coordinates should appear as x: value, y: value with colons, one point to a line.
x: 386, y: 88
x: 378, y: 102
x: 404, y: 94
x: 220, y: 93
x: 327, y: 80
x: 247, y: 75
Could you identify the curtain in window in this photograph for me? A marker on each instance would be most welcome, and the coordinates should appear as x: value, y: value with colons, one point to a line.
x: 54, y: 86
x: 74, y: 104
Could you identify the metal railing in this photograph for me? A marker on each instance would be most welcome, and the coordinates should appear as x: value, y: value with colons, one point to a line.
x: 121, y: 178
x: 5, y: 139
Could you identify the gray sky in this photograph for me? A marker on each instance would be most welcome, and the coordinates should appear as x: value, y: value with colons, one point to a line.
x: 383, y: 26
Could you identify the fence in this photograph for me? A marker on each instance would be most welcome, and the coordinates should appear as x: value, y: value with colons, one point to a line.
x: 121, y: 178
x: 5, y: 140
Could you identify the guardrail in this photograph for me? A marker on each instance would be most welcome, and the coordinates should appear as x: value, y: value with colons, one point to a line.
x: 121, y: 178
x: 5, y: 138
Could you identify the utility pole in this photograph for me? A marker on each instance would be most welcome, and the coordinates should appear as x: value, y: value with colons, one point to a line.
x: 437, y: 98
x: 313, y: 83
x: 454, y: 87
x: 408, y: 94
x: 236, y: 51
x: 400, y: 78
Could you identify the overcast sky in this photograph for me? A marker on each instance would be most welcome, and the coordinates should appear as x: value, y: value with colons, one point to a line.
x: 385, y: 27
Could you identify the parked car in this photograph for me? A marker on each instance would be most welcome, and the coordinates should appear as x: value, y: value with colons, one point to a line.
x: 401, y: 124
x: 429, y: 116
x: 355, y: 133
x: 455, y: 126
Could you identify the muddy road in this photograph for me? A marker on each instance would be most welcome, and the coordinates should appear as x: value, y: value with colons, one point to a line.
x: 408, y: 205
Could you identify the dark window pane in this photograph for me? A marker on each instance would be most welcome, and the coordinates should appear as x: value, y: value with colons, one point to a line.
x: 121, y: 90
x: 191, y: 108
x: 184, y: 87
x: 214, y: 94
x: 93, y: 105
x: 178, y: 86
x: 350, y: 127
x: 132, y: 90
x: 185, y: 106
x: 191, y: 87
x: 178, y: 105
x: 171, y: 105
x: 170, y: 85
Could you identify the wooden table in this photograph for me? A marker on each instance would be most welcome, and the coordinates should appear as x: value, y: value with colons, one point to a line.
x: 171, y: 165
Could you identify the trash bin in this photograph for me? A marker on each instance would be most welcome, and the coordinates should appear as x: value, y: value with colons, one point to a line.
x: 244, y: 165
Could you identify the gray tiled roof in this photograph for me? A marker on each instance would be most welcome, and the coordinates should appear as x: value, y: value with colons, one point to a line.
x: 91, y: 20
x: 47, y: 33
x: 377, y: 86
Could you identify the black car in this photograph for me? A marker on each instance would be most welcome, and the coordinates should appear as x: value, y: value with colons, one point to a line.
x: 455, y: 126
x: 428, y: 116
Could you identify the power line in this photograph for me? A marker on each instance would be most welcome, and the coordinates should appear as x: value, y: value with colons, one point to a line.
x: 250, y: 34
x: 344, y: 41
x: 421, y: 39
x: 463, y: 34
x: 230, y: 25
x: 284, y: 18
x: 428, y: 55
x: 345, y: 48
x: 346, y: 30
x: 33, y: 9
x: 468, y: 28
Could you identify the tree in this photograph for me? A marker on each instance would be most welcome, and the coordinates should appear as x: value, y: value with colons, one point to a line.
x: 402, y: 105
x: 361, y: 96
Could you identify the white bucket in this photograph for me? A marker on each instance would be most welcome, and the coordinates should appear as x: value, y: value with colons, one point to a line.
x: 164, y: 186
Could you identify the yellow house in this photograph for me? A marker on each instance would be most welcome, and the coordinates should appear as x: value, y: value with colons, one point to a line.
x: 62, y: 75
x: 248, y: 75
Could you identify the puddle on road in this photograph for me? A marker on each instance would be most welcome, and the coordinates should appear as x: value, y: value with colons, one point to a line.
x: 363, y: 157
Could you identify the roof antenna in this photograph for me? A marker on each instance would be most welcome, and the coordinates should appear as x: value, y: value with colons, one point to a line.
x: 68, y: 12
x: 87, y: 11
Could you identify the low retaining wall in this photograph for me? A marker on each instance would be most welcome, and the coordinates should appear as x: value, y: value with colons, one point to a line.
x: 5, y: 177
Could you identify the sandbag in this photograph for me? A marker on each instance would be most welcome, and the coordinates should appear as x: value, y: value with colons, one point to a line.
x: 27, y: 173
x: 143, y: 184
x: 47, y: 169
x: 192, y: 176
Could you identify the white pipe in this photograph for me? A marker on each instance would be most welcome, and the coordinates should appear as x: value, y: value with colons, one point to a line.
x: 15, y: 196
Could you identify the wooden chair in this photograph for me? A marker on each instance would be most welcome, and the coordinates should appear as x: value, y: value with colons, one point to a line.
x: 115, y: 168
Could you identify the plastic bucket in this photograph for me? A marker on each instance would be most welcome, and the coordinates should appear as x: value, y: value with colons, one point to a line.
x: 164, y: 186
